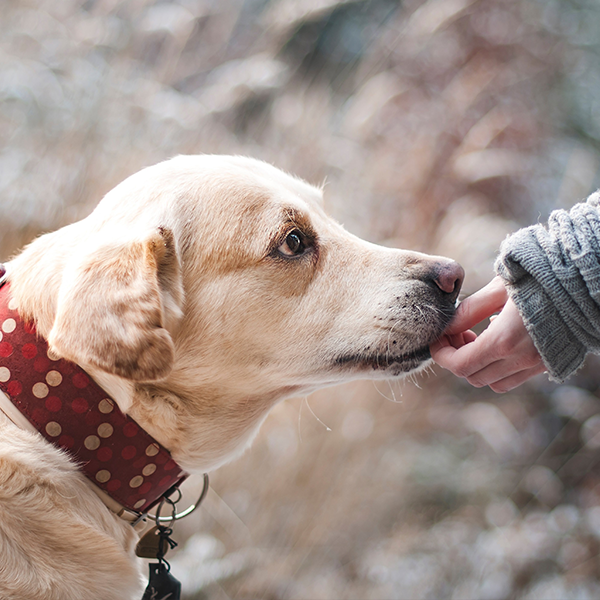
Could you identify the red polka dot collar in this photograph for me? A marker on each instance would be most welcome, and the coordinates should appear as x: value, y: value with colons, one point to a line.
x: 74, y: 413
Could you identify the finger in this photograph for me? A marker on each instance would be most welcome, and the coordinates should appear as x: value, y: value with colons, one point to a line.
x: 468, y: 359
x: 442, y: 342
x: 479, y: 306
x: 458, y: 340
x: 510, y: 383
x: 504, y: 368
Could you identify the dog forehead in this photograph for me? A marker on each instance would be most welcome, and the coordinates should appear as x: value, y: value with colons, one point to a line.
x: 265, y: 173
x: 256, y: 184
x: 243, y: 191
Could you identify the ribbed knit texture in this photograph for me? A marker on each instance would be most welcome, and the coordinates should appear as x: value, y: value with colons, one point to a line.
x: 553, y: 276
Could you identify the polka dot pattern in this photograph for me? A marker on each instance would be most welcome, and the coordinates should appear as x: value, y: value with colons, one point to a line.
x: 53, y: 429
x: 40, y: 390
x: 52, y: 355
x: 92, y: 442
x: 103, y: 475
x: 152, y: 450
x: 106, y: 406
x: 29, y: 351
x: 72, y: 412
x: 128, y: 452
x: 9, y: 325
x: 105, y: 430
x: 53, y: 378
x: 6, y: 349
x: 149, y: 469
x: 136, y: 481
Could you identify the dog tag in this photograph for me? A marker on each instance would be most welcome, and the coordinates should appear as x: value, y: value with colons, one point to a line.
x: 162, y: 585
x: 152, y: 544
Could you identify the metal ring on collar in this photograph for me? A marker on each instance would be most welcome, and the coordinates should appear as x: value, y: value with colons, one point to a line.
x: 170, y: 519
x: 188, y: 511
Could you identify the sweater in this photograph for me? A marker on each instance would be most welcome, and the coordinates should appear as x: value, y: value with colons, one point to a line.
x: 553, y: 276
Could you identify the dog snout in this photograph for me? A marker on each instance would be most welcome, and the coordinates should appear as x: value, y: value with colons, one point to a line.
x: 449, y: 277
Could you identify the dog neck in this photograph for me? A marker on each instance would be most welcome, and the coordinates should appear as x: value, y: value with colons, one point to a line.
x: 61, y: 402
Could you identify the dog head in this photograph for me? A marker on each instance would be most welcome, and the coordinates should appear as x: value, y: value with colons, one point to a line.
x: 221, y: 280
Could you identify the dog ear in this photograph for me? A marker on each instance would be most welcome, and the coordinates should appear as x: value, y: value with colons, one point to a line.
x: 113, y: 305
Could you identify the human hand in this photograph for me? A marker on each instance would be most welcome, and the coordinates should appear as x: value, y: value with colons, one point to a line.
x: 503, y: 356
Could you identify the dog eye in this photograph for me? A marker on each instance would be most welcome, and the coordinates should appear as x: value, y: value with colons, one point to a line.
x: 294, y: 244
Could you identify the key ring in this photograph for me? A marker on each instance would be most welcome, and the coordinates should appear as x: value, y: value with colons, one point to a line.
x: 170, y: 520
x: 175, y: 516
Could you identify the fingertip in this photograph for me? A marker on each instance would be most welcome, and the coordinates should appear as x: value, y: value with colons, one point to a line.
x: 434, y: 349
x: 469, y: 336
x: 458, y: 340
x: 443, y: 355
x: 440, y: 343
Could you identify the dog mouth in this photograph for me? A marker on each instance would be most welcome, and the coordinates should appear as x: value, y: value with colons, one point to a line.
x: 406, y: 348
x: 385, y: 361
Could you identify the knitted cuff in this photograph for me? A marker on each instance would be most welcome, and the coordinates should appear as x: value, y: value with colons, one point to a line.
x: 560, y: 350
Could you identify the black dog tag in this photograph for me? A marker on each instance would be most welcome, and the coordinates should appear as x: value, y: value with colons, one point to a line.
x: 162, y: 585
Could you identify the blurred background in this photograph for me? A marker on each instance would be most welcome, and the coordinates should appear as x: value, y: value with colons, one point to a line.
x: 438, y: 125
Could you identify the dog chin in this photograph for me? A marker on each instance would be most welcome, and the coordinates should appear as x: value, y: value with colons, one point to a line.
x: 386, y: 364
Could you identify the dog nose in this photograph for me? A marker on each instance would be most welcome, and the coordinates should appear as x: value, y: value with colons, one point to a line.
x: 449, y: 277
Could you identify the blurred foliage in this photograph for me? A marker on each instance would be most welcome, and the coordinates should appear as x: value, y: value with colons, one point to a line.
x: 440, y: 125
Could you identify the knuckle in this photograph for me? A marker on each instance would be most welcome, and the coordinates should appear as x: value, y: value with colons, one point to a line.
x: 504, y: 347
x: 476, y: 382
x: 462, y: 371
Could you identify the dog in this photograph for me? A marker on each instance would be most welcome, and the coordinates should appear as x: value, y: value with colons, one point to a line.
x: 199, y: 293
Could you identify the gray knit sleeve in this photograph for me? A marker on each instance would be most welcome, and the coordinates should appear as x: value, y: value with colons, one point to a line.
x: 553, y: 276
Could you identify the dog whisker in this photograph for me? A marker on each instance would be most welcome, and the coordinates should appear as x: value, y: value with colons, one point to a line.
x: 315, y: 416
x: 393, y: 399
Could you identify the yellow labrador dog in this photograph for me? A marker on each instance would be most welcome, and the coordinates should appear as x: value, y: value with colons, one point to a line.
x: 199, y: 293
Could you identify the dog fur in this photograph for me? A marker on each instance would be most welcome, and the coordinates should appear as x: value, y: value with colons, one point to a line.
x: 181, y: 296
